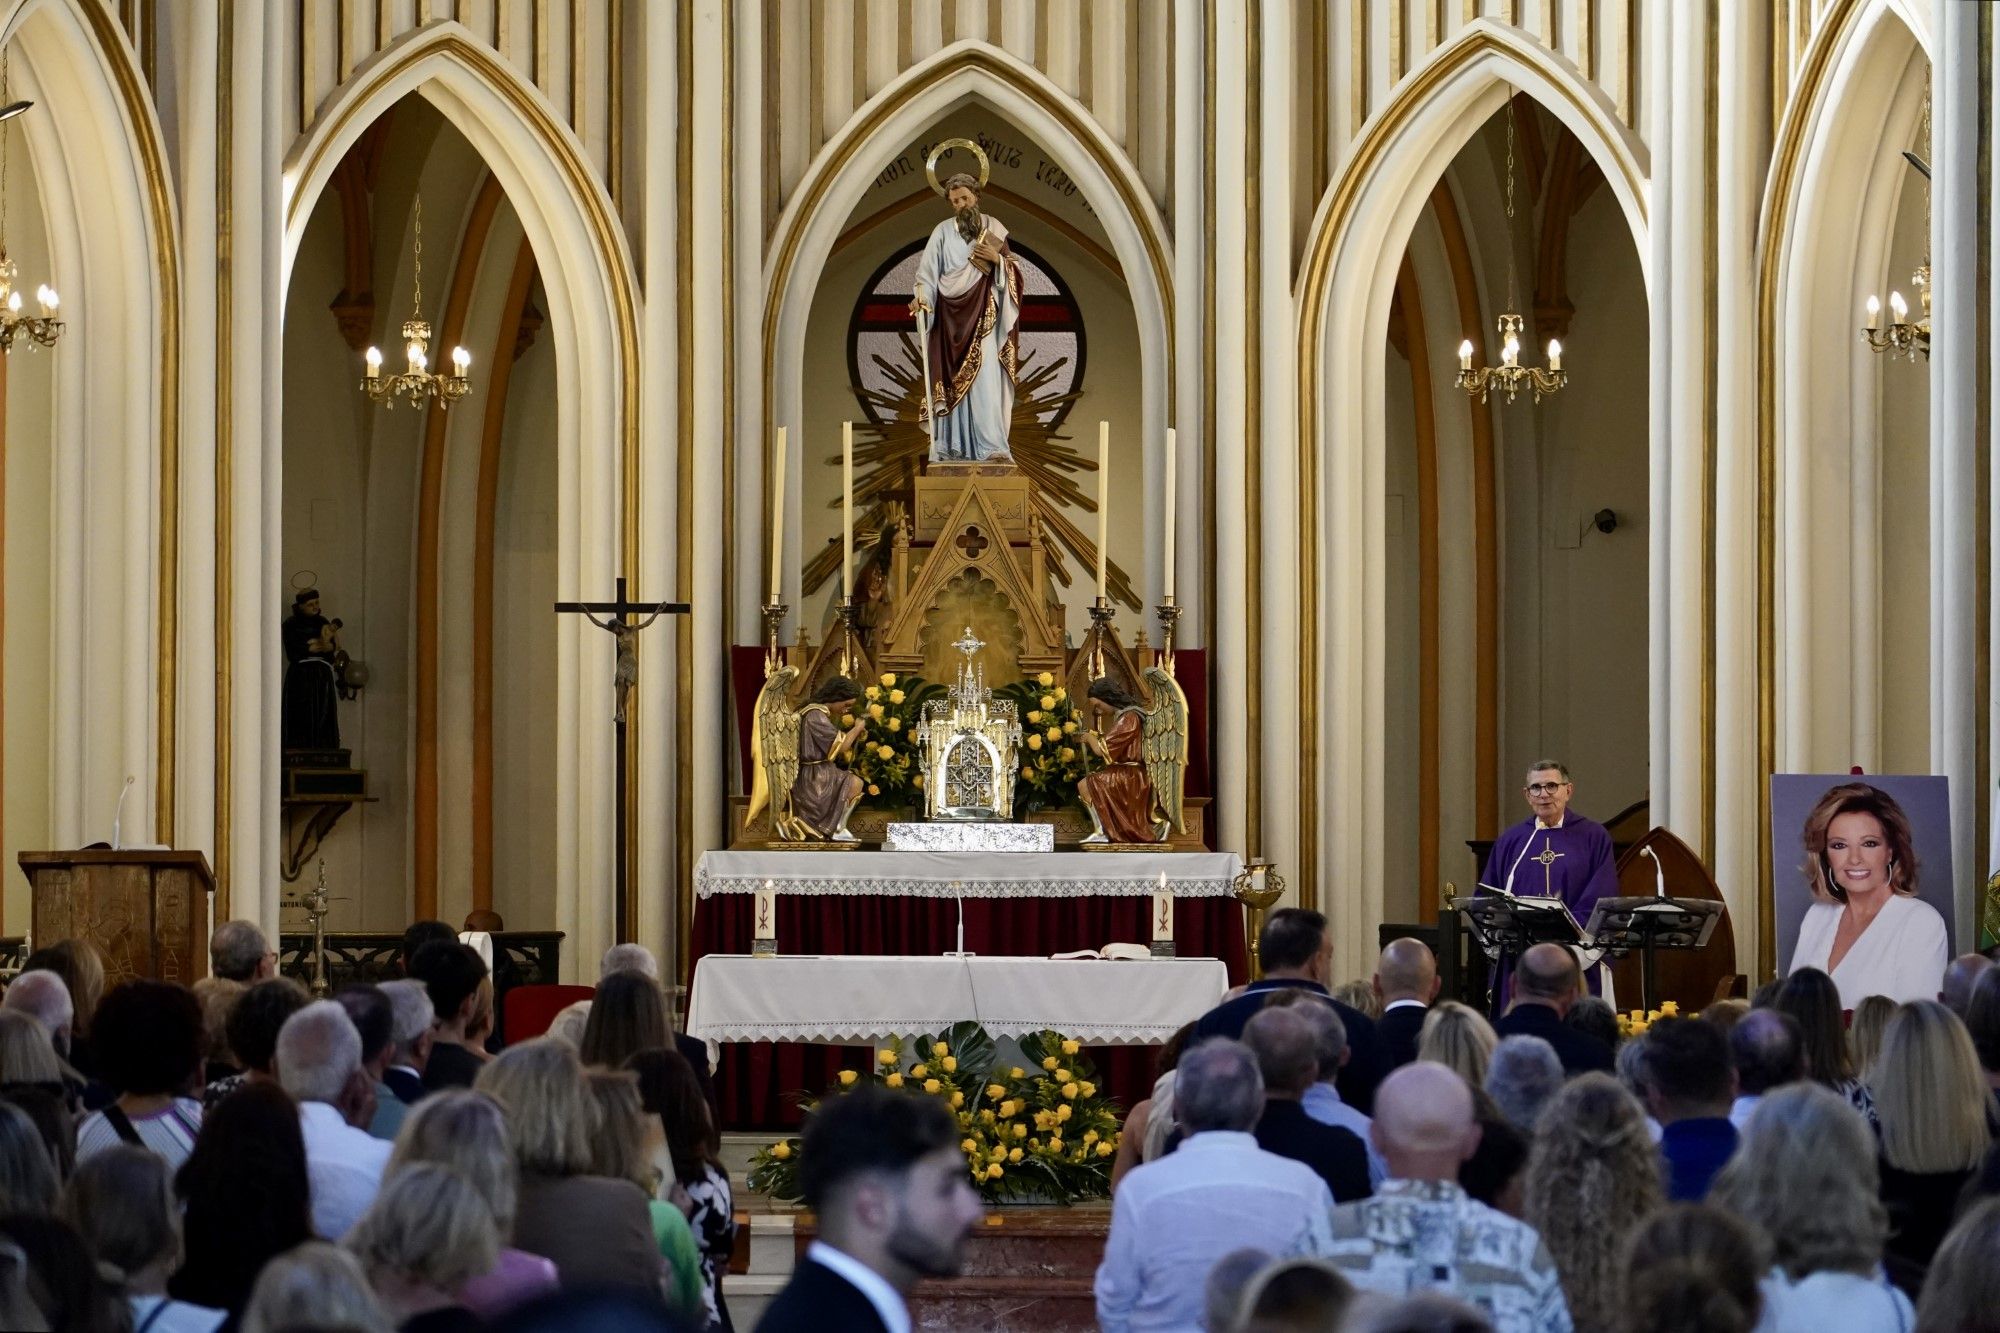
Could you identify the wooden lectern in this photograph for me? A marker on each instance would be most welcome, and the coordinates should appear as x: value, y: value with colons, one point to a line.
x: 147, y: 910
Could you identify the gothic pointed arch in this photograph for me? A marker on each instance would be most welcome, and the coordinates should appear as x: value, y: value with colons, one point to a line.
x: 842, y: 171
x: 1343, y: 296
x: 589, y: 278
x: 108, y: 205
x: 1822, y: 244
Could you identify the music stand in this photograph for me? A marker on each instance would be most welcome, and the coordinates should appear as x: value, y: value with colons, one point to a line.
x: 1621, y: 925
x: 1505, y: 925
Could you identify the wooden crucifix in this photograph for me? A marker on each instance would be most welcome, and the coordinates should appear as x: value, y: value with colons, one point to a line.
x: 615, y: 617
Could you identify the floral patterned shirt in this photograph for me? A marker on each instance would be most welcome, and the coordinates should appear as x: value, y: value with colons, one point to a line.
x: 713, y: 1222
x: 1429, y: 1235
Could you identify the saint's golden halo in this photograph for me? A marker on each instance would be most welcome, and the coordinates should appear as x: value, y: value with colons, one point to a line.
x: 930, y: 163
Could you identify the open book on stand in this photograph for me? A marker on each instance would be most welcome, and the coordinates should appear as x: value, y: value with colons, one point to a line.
x: 1110, y: 952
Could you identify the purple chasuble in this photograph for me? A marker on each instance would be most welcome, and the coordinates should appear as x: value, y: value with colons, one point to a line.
x: 1572, y: 862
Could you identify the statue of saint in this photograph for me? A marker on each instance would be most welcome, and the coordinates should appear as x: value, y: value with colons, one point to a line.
x: 796, y: 756
x: 1136, y: 796
x: 968, y: 304
x: 309, y: 719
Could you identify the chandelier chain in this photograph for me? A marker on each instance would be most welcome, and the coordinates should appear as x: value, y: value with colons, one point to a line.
x: 418, y: 302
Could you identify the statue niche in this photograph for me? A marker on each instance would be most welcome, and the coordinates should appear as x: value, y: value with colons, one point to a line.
x: 972, y: 601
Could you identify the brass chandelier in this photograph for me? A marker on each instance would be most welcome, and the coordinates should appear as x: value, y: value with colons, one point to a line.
x: 1904, y: 337
x: 40, y: 330
x: 1510, y: 376
x: 418, y: 383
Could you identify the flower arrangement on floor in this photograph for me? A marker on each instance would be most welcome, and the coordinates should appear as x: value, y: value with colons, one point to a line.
x: 1053, y: 756
x: 1041, y: 1133
x: 1635, y: 1023
x: 886, y: 759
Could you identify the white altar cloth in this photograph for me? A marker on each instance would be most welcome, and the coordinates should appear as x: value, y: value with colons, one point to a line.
x: 853, y: 999
x: 972, y: 874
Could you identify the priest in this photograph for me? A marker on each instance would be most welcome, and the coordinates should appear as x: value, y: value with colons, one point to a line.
x: 1555, y: 852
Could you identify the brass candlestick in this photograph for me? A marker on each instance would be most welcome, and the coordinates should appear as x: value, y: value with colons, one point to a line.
x: 850, y: 616
x: 1258, y: 888
x: 774, y: 621
x: 1169, y: 613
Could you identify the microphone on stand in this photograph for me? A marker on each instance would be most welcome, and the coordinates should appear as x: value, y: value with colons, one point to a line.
x: 1659, y: 873
x: 118, y: 815
x: 958, y: 888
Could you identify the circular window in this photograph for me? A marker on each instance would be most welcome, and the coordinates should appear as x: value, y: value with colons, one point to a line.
x: 880, y: 365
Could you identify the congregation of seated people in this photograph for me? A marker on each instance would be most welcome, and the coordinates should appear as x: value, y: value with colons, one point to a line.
x: 238, y: 1155
x: 1766, y: 1164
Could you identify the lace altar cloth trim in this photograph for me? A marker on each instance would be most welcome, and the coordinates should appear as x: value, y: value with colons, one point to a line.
x: 854, y: 999
x: 970, y: 874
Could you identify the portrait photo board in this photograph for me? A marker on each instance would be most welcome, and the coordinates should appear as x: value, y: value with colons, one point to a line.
x: 1926, y: 802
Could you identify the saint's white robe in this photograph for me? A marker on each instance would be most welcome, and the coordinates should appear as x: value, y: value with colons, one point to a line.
x: 976, y: 428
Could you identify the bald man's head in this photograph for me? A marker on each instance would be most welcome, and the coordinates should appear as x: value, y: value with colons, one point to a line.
x: 1547, y: 974
x: 1960, y: 976
x: 1407, y: 971
x: 1424, y: 1124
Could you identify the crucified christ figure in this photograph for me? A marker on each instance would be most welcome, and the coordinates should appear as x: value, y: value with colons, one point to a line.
x: 627, y: 636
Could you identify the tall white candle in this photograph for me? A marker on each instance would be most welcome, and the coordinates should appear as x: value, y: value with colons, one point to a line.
x: 847, y: 510
x: 1103, y: 499
x: 1171, y: 518
x: 778, y: 518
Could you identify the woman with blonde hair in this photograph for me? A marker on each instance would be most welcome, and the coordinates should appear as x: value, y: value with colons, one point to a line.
x: 1935, y: 1113
x: 1805, y: 1173
x: 621, y: 1151
x: 1593, y: 1176
x: 122, y: 1203
x: 314, y: 1286
x: 596, y: 1229
x: 1458, y: 1038
x: 467, y: 1132
x: 1866, y: 926
x: 427, y: 1233
x: 1864, y: 1033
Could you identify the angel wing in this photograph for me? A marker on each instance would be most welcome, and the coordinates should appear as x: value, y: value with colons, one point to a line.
x: 774, y: 748
x: 1164, y: 745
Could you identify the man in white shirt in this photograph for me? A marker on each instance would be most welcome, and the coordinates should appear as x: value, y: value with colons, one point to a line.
x: 885, y: 1176
x: 1173, y: 1218
x: 319, y: 1063
x: 1322, y: 1100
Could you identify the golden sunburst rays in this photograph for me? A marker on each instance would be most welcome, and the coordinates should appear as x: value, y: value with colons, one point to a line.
x: 889, y: 455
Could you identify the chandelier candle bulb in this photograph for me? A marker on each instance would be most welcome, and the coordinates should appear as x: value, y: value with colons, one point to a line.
x: 1874, y: 312
x: 374, y: 363
x: 777, y: 514
x: 1168, y: 535
x: 1103, y: 499
x: 1465, y: 355
x: 1898, y: 310
x: 1555, y: 355
x: 847, y: 511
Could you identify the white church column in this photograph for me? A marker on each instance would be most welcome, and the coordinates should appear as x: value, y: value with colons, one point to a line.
x: 1956, y: 441
x: 1683, y: 361
x: 1191, y: 347
x: 1742, y: 140
x: 707, y: 298
x: 1230, y: 714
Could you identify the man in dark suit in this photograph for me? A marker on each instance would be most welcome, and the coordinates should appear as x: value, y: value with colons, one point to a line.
x: 1406, y: 981
x: 1296, y: 950
x: 412, y: 1017
x: 1546, y: 984
x: 883, y: 1172
x: 1287, y: 1051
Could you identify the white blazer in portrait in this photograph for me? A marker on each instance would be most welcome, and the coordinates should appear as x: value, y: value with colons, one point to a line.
x: 1901, y: 954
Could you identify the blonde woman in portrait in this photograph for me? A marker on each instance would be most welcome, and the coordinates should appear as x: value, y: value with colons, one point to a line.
x: 1866, y: 926
x: 1457, y: 1037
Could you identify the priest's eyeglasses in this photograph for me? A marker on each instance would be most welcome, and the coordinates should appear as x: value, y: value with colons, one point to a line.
x: 1545, y: 788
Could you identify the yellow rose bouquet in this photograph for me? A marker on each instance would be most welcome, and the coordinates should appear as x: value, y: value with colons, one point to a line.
x: 1053, y: 756
x: 886, y: 759
x: 1040, y: 1134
